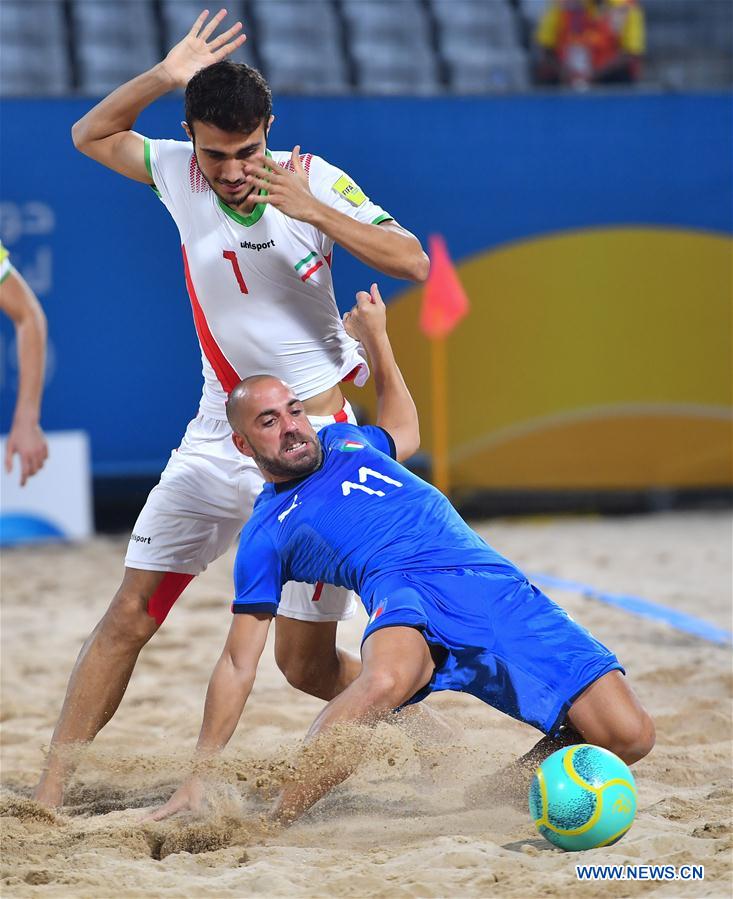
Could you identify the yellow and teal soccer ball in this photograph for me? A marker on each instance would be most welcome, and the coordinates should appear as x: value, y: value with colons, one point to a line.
x: 582, y: 797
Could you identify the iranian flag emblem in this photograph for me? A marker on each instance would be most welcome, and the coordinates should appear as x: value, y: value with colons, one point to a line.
x: 308, y: 265
x: 351, y: 446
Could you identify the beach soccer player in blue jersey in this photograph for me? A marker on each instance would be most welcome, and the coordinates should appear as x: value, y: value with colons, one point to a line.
x: 446, y: 611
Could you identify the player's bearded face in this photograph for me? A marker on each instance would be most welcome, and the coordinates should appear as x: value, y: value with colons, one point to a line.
x: 298, y: 453
x: 222, y: 156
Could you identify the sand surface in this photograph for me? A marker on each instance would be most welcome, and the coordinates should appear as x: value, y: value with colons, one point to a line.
x: 414, y: 820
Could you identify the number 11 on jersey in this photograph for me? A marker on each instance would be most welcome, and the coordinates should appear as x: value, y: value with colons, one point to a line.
x: 232, y: 257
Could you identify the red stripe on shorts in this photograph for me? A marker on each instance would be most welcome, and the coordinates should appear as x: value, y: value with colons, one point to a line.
x: 169, y: 589
x: 317, y: 592
x: 228, y: 378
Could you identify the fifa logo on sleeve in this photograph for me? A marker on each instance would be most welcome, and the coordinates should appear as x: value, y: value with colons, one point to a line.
x: 348, y: 486
x: 351, y: 192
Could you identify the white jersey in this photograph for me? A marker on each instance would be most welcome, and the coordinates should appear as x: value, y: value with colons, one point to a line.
x: 5, y: 265
x: 260, y: 284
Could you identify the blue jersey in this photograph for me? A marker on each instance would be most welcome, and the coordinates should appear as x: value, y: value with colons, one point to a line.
x: 360, y: 517
x: 363, y: 521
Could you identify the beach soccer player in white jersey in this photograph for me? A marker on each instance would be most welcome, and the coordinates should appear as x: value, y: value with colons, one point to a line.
x: 257, y: 231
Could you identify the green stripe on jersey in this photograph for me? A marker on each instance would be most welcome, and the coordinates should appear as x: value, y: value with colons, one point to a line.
x: 257, y: 212
x: 148, y: 166
x: 245, y: 220
x: 304, y: 260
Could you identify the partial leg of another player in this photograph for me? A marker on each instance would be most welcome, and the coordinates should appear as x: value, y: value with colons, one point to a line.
x: 307, y: 655
x: 102, y: 671
x: 396, y: 664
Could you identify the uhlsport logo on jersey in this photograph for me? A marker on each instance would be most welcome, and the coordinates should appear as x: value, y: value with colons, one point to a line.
x: 248, y: 245
x: 378, y: 611
x: 351, y: 446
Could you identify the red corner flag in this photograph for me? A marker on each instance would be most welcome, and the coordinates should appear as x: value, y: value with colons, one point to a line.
x: 445, y: 301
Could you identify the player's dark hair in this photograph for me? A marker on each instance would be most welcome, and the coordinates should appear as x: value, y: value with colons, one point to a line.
x: 230, y: 95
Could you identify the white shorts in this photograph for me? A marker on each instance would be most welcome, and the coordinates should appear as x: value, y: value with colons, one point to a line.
x: 204, y: 497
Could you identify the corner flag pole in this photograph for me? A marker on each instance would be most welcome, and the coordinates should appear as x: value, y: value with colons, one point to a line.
x: 444, y: 304
x: 439, y: 393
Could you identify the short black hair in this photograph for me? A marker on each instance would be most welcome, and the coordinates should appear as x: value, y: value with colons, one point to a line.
x: 230, y: 95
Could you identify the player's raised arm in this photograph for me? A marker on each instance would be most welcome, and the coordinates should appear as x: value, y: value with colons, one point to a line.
x: 333, y: 206
x: 105, y: 132
x: 396, y: 412
x: 229, y: 688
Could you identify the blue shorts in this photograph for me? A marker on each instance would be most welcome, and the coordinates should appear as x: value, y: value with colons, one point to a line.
x: 495, y: 636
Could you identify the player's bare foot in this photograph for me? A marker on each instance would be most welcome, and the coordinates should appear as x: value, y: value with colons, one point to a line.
x: 49, y: 794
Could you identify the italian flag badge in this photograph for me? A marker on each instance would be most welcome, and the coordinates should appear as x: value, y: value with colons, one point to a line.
x: 351, y: 446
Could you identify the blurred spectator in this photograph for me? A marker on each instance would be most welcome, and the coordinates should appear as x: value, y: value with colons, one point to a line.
x: 585, y: 42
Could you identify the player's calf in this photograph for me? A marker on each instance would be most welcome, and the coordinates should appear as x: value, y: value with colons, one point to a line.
x: 608, y: 714
x: 306, y: 653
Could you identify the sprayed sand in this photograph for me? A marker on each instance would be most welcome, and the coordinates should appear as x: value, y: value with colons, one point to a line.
x: 416, y: 820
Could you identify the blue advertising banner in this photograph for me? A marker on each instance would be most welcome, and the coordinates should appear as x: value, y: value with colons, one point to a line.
x: 104, y: 256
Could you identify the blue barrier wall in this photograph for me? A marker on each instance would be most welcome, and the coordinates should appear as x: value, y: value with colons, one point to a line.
x: 104, y: 255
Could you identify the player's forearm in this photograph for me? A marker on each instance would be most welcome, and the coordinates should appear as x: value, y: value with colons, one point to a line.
x: 119, y: 111
x: 226, y: 697
x: 396, y: 411
x: 396, y: 254
x: 19, y: 302
x: 31, y: 342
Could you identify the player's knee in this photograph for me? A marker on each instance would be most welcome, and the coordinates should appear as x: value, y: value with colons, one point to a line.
x: 126, y: 622
x: 634, y: 739
x: 305, y: 674
x: 383, y: 688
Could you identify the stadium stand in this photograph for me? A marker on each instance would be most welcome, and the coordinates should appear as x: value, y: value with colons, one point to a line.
x: 690, y: 44
x: 480, y: 44
x: 338, y: 46
x: 34, y: 60
x: 301, y: 46
x: 114, y: 42
x: 532, y: 10
x: 393, y: 53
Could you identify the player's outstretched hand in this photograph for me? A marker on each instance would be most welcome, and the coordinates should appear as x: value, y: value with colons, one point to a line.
x: 198, y: 49
x: 29, y: 442
x: 286, y: 191
x: 189, y: 797
x: 368, y: 318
